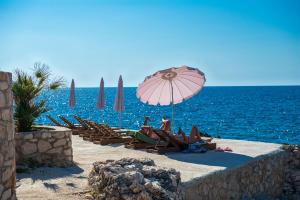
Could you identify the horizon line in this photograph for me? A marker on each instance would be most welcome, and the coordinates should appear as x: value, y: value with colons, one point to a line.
x: 204, y: 86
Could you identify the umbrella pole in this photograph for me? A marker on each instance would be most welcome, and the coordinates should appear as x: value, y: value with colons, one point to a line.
x: 173, y: 108
x: 172, y: 123
x: 119, y: 116
x: 102, y: 116
x: 121, y: 119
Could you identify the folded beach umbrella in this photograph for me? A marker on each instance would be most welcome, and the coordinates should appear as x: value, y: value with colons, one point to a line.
x: 119, y: 100
x: 171, y: 86
x: 100, y: 102
x: 72, y: 95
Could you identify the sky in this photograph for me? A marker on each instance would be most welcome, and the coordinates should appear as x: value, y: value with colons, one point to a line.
x: 234, y: 42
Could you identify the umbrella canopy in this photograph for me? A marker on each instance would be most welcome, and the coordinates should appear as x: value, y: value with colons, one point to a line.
x: 100, y: 102
x: 119, y: 99
x: 72, y: 95
x: 171, y: 86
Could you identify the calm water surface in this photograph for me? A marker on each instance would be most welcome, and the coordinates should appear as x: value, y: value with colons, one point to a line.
x: 270, y: 114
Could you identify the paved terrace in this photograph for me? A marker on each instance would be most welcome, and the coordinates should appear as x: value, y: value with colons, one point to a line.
x: 60, y: 183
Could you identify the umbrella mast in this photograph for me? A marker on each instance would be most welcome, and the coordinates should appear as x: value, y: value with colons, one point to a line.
x: 172, y: 98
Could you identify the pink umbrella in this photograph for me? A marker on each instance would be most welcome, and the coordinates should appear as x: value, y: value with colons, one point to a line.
x: 100, y: 102
x: 119, y: 100
x: 171, y: 86
x: 72, y: 95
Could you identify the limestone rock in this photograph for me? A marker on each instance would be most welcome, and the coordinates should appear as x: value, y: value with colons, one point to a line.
x: 6, y: 174
x: 28, y: 136
x: 68, y: 152
x: 1, y: 160
x: 3, y: 85
x: 45, y: 135
x: 6, y: 114
x: 55, y: 150
x: 60, y: 142
x: 2, y: 99
x: 1, y: 189
x: 6, y: 195
x: 134, y: 179
x: 58, y: 135
x: 43, y: 146
x: 29, y: 148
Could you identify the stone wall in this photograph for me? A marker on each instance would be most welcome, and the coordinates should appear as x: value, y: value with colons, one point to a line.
x: 262, y: 178
x: 7, y: 150
x: 48, y: 146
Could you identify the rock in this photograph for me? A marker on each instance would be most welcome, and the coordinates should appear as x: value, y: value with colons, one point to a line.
x: 58, y: 135
x: 68, y: 152
x: 55, y: 150
x: 6, y: 195
x: 1, y: 160
x: 1, y: 189
x: 28, y: 136
x: 134, y: 179
x: 60, y: 142
x: 6, y: 174
x: 43, y: 146
x: 6, y: 114
x: 2, y: 100
x: 45, y: 135
x: 3, y: 85
x: 29, y: 148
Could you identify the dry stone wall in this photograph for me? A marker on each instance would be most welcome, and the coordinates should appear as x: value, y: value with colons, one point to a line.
x: 7, y: 150
x: 269, y: 177
x: 48, y: 146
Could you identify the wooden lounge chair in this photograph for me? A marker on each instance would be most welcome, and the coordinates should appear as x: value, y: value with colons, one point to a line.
x: 97, y: 134
x: 142, y: 141
x: 172, y: 144
x: 76, y: 130
x: 195, y: 137
x: 86, y: 135
x: 110, y: 136
x: 54, y: 121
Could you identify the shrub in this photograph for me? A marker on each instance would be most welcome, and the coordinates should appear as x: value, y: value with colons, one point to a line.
x: 26, y: 88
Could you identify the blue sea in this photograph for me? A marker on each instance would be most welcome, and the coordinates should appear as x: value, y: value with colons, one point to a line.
x: 258, y: 113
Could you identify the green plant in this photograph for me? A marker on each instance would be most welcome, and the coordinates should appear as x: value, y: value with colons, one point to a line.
x: 26, y: 88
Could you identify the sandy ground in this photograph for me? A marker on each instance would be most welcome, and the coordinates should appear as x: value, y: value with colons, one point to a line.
x: 64, y: 183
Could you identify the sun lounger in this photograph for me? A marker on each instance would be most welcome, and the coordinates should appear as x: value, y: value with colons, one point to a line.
x: 76, y: 130
x: 107, y: 135
x: 98, y: 134
x: 170, y: 139
x: 170, y: 143
x: 54, y: 121
x: 90, y: 130
x: 82, y: 122
x: 142, y: 141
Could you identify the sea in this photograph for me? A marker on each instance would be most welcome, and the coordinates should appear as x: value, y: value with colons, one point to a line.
x: 257, y: 113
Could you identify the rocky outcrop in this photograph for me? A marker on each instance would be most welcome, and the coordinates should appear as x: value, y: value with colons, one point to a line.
x: 48, y: 146
x: 132, y: 179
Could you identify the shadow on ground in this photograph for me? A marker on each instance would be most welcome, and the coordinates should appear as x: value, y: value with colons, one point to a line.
x: 51, y: 186
x: 212, y: 158
x: 47, y: 173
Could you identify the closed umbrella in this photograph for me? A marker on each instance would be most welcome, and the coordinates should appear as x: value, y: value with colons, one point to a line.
x: 100, y: 102
x: 72, y: 95
x: 171, y: 86
x: 119, y: 100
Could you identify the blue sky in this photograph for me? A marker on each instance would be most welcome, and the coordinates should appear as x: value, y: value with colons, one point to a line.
x: 233, y: 42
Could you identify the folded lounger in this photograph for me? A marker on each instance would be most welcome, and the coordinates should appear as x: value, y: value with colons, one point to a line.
x: 76, y: 130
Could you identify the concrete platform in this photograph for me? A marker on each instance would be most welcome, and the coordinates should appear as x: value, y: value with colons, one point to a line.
x: 58, y: 183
